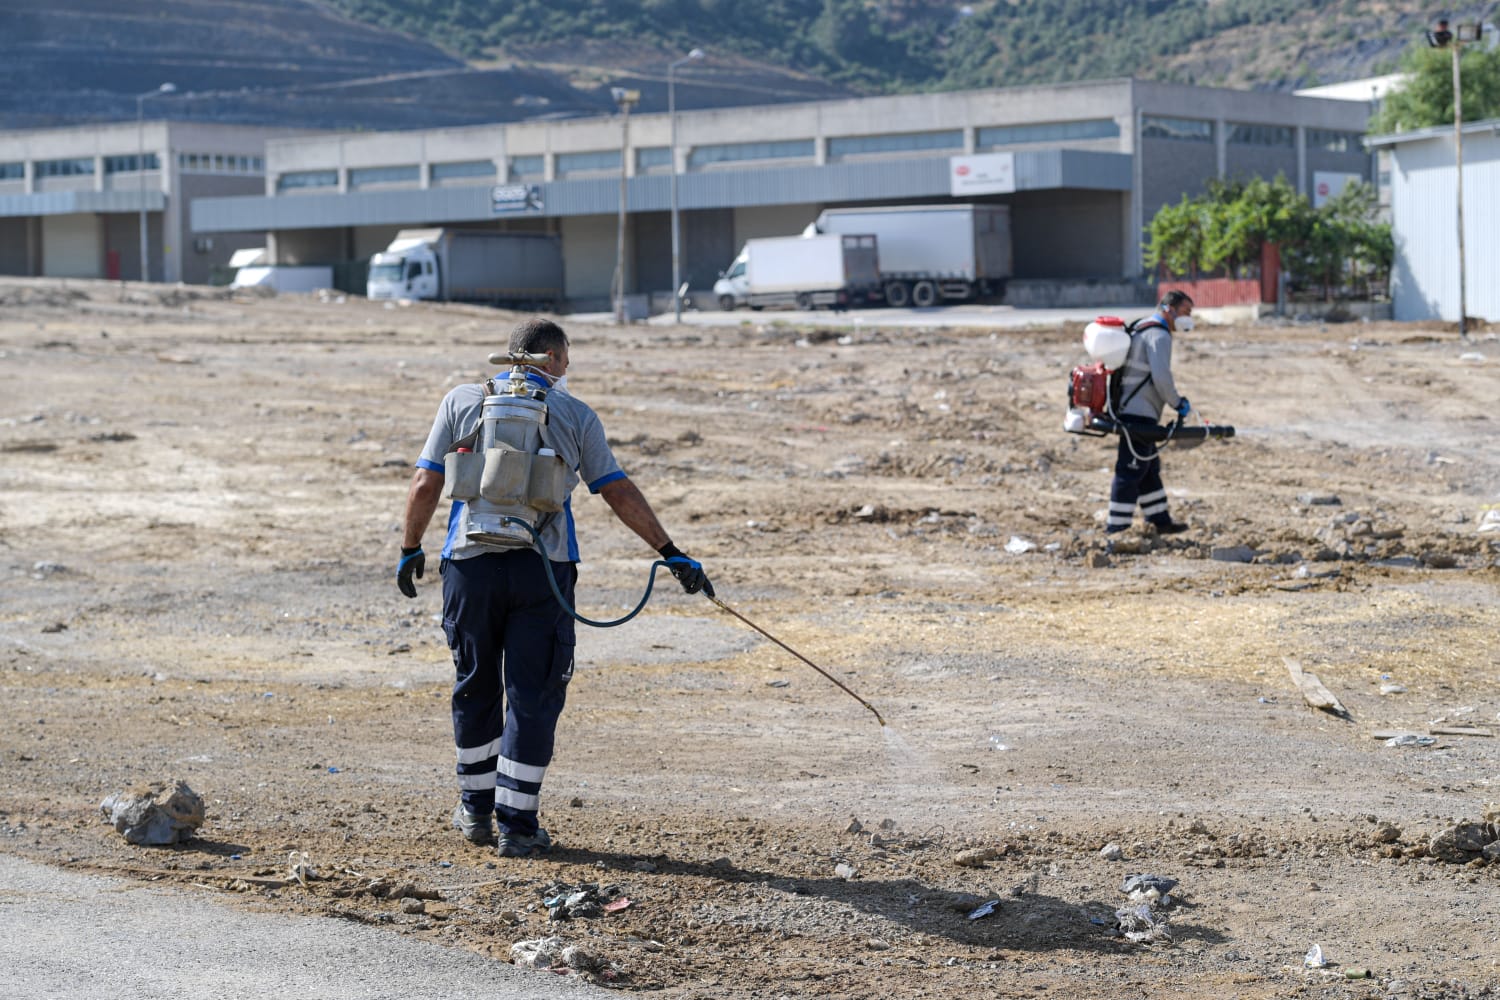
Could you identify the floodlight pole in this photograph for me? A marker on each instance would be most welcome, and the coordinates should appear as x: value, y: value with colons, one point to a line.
x: 1458, y: 180
x: 140, y: 167
x: 672, y: 115
x: 625, y: 99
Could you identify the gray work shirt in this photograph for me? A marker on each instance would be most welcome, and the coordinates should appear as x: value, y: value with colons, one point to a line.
x: 572, y: 430
x: 1150, y: 361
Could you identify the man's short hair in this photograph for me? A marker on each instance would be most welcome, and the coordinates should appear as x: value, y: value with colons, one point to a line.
x: 1173, y: 299
x: 538, y: 335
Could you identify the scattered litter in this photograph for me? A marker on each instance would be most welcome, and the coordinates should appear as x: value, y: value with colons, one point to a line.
x: 537, y: 953
x: 778, y: 684
x: 1471, y: 356
x: 1410, y: 740
x: 1019, y: 546
x: 987, y: 909
x: 1358, y: 974
x: 1460, y: 731
x: 1149, y: 888
x: 580, y: 902
x: 299, y: 867
x: 1314, y: 958
x: 1393, y: 689
x: 844, y: 871
x: 1142, y: 924
x: 998, y: 743
x: 152, y: 817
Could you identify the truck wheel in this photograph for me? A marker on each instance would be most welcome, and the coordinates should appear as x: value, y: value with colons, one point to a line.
x: 924, y: 294
x: 804, y: 301
x: 726, y: 303
x: 897, y: 295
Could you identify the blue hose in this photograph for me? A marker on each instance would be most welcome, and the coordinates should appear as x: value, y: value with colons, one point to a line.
x: 557, y: 591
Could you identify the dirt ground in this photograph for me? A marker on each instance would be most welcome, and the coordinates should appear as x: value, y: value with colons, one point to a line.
x: 199, y: 506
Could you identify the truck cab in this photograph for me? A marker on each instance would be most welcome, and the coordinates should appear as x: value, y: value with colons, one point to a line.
x: 403, y: 273
x: 733, y: 286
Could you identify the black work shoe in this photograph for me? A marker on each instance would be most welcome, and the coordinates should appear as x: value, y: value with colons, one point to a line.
x: 519, y: 845
x: 475, y: 828
x: 1171, y: 528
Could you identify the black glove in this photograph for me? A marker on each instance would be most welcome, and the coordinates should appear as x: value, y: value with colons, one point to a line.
x: 413, y: 561
x: 689, y: 572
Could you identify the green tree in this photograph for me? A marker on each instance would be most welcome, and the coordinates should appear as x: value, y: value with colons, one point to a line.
x: 1426, y: 97
x: 1175, y: 240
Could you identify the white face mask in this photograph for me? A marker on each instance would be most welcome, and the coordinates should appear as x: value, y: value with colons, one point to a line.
x: 1182, y: 324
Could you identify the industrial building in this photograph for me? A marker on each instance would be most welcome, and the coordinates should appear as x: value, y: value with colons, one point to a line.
x: 1425, y: 223
x: 1082, y: 166
x: 72, y: 200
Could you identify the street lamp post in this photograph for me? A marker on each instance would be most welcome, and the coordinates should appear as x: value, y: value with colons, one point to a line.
x: 672, y: 115
x: 1439, y: 38
x: 140, y: 166
x: 626, y: 99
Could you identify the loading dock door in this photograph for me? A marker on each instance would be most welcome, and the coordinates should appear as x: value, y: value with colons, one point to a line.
x: 72, y: 246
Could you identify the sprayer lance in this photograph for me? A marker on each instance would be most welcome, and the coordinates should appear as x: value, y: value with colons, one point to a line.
x: 843, y: 687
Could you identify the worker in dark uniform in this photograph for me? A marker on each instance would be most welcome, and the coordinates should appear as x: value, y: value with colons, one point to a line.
x: 512, y: 642
x: 1146, y: 388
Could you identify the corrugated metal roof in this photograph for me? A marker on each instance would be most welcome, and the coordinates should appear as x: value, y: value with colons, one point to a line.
x: 874, y: 181
x: 78, y: 202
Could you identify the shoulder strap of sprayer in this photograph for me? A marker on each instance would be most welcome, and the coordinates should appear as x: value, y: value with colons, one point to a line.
x: 1144, y: 323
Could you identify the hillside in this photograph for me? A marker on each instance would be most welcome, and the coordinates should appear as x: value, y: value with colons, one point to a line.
x: 380, y: 64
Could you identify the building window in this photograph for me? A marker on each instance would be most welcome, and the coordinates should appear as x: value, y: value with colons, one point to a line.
x: 130, y: 164
x: 1182, y: 129
x: 1016, y: 135
x: 303, y: 179
x: 904, y: 142
x: 368, y: 176
x: 219, y: 163
x: 12, y: 171
x: 482, y: 169
x: 572, y: 164
x: 1261, y: 135
x: 82, y: 167
x: 1330, y: 141
x: 528, y: 168
x: 657, y: 158
x: 790, y: 149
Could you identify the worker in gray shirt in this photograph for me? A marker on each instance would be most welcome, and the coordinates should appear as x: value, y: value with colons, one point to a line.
x: 1145, y: 389
x: 512, y: 640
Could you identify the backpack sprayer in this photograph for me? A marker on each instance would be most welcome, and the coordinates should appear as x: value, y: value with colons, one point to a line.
x: 1094, y: 389
x: 512, y: 481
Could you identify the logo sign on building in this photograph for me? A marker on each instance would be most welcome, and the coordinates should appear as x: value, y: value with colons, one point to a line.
x: 1327, y: 184
x: 507, y: 199
x: 987, y: 173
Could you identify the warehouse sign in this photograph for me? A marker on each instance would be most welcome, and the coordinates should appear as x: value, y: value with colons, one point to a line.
x: 987, y: 173
x: 1328, y: 185
x: 506, y: 199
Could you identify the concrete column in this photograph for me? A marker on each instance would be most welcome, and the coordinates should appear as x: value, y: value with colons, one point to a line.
x: 1134, y: 206
x: 28, y: 179
x: 1221, y: 147
x: 99, y: 173
x: 1301, y: 141
x: 820, y: 151
x: 969, y: 139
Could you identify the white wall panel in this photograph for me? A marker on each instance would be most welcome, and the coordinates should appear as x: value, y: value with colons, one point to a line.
x: 71, y: 246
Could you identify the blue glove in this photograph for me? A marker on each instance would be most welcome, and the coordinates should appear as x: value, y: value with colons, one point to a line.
x: 689, y: 572
x: 413, y: 561
x: 1183, y: 407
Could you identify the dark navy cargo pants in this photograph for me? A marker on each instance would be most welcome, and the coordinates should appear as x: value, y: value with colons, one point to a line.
x: 512, y: 647
x: 1137, y: 480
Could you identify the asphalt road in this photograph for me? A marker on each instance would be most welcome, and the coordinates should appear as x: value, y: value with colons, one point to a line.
x: 68, y: 935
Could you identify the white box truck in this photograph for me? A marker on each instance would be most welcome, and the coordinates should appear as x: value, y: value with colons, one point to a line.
x: 932, y: 253
x: 252, y: 269
x: 802, y: 271
x: 522, y: 270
